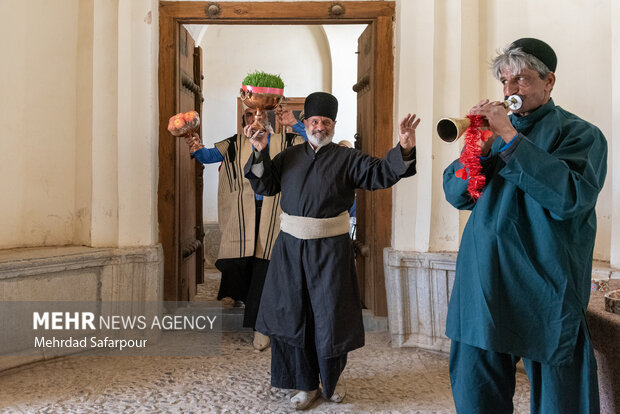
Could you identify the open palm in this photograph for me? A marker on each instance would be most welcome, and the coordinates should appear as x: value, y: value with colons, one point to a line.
x: 406, y: 131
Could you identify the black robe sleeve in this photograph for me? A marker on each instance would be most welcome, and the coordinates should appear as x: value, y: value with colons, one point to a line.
x: 373, y: 173
x: 269, y: 183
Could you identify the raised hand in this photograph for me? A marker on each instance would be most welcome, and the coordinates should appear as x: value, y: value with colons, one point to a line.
x: 406, y: 132
x: 285, y: 116
x: 476, y: 108
x: 258, y: 139
x: 496, y: 115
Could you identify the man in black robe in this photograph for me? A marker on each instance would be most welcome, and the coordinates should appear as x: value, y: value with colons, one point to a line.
x: 311, y: 307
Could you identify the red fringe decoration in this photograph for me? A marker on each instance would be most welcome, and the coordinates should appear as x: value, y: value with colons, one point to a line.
x: 470, y: 158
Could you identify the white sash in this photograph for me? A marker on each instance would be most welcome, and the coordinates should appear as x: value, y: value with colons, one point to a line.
x: 307, y: 228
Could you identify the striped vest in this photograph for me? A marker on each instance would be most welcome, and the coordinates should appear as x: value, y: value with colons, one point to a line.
x: 235, y: 201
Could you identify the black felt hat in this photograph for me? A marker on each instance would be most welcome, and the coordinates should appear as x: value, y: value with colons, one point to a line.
x: 321, y: 104
x: 538, y: 49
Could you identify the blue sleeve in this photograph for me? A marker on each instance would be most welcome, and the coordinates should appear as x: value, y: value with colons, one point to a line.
x: 352, y: 210
x: 300, y: 129
x: 208, y: 155
x: 509, y: 145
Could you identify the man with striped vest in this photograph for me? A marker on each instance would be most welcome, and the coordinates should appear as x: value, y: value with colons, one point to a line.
x: 249, y: 222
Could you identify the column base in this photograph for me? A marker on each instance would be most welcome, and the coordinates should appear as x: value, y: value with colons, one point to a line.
x: 418, y: 288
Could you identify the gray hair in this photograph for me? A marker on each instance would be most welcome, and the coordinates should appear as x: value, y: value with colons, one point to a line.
x: 516, y: 60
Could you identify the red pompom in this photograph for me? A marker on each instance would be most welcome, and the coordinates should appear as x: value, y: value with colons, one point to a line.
x: 486, y: 134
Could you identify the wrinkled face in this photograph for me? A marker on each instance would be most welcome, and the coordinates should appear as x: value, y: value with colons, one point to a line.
x: 320, y: 129
x: 248, y: 118
x: 249, y: 114
x: 533, y: 91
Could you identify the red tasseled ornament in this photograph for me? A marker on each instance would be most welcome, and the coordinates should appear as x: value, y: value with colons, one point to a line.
x: 470, y: 157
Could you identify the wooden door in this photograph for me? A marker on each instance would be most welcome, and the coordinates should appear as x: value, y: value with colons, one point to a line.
x: 373, y: 215
x: 380, y: 17
x: 180, y: 188
x: 363, y: 142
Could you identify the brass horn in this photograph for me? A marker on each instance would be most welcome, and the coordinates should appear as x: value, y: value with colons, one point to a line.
x: 450, y: 129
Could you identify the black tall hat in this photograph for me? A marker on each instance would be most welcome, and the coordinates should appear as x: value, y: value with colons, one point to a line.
x: 538, y: 49
x: 321, y: 104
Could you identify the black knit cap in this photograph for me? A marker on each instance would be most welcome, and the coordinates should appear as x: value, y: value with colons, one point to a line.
x: 321, y: 104
x: 538, y: 49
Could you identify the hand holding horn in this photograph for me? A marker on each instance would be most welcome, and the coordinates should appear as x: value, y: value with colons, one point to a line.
x: 450, y: 129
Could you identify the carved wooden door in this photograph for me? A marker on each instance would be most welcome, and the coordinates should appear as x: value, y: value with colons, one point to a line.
x: 180, y: 206
x: 372, y: 221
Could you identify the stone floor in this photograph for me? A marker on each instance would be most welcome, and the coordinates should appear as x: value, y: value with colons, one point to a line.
x: 379, y: 378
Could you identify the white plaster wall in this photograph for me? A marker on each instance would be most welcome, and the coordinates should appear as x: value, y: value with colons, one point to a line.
x: 84, y: 124
x: 105, y: 176
x: 299, y: 54
x: 79, y: 116
x: 449, y: 92
x: 413, y: 92
x: 124, y: 129
x: 116, y: 166
x: 343, y: 47
x: 38, y: 121
x: 137, y: 123
x: 196, y: 31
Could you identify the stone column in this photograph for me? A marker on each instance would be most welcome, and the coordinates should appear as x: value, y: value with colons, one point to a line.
x: 104, y: 218
x: 137, y: 123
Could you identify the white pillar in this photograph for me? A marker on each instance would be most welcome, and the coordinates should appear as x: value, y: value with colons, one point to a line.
x: 413, y: 92
x: 437, y: 75
x: 137, y: 135
x: 104, y: 226
x: 84, y: 122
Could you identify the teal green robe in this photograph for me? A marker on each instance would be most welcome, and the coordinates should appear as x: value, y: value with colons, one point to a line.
x: 524, y: 265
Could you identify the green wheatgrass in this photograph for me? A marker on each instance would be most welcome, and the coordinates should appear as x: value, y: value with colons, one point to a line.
x: 262, y: 79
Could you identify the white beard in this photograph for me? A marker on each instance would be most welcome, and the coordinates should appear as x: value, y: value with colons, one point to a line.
x: 319, y: 140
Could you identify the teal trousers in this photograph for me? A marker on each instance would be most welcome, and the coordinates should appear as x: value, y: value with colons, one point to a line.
x: 484, y: 381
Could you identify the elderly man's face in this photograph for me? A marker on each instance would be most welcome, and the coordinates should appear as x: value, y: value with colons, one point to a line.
x: 249, y: 114
x: 533, y: 91
x: 248, y: 117
x: 320, y: 129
